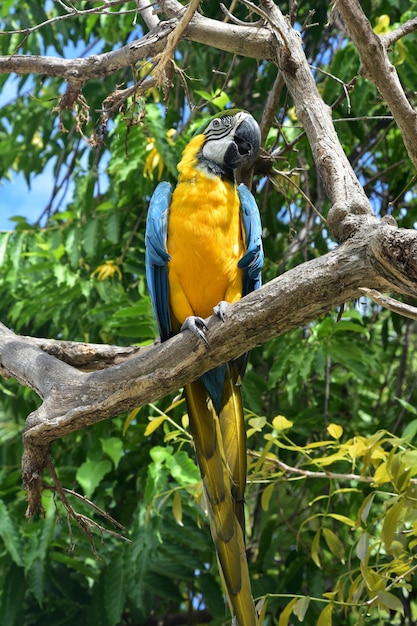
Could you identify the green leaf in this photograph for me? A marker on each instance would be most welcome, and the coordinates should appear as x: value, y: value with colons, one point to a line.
x: 314, y: 551
x: 334, y: 544
x: 183, y: 469
x: 154, y: 424
x: 325, y: 617
x: 390, y: 601
x: 90, y: 475
x: 113, y: 447
x: 284, y: 618
x: 177, y: 508
x: 281, y: 423
x: 407, y: 406
x: 36, y: 580
x: 410, y: 430
x: 11, y: 599
x: 335, y: 430
x: 115, y: 588
x: 257, y: 423
x: 113, y: 227
x: 72, y: 243
x: 362, y: 547
x: 391, y: 521
x: 342, y: 518
x: 4, y: 239
x: 10, y: 535
x: 89, y: 238
x: 266, y: 496
x: 365, y: 507
x: 300, y: 607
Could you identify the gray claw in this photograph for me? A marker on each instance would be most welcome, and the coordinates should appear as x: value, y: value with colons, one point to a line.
x: 221, y: 308
x: 197, y: 326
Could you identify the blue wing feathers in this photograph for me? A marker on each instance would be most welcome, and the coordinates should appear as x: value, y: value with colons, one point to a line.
x: 252, y: 261
x: 157, y: 259
x: 157, y: 256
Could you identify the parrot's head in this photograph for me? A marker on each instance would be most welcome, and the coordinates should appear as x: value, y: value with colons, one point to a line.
x: 232, y: 139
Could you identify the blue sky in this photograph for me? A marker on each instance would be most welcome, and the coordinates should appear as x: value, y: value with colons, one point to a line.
x: 15, y: 196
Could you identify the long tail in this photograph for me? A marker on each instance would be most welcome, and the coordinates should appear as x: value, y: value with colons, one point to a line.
x: 220, y: 443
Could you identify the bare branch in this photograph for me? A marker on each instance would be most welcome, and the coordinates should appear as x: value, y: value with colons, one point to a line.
x: 85, y: 523
x: 390, y: 303
x: 405, y: 29
x: 71, y: 13
x: 85, y: 356
x: 377, y: 67
x: 148, y: 13
x: 381, y: 256
x: 174, y: 38
x: 340, y: 181
x: 94, y: 66
x: 288, y: 469
x: 246, y: 40
x: 253, y: 41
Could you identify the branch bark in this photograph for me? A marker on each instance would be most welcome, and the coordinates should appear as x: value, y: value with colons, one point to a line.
x: 248, y: 41
x: 380, y: 257
x: 376, y: 66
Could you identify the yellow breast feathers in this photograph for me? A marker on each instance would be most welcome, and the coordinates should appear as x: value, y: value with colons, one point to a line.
x: 205, y: 240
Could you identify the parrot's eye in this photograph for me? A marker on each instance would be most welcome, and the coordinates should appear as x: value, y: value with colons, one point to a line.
x: 216, y: 123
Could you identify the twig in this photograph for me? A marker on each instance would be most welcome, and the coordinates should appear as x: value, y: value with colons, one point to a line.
x: 174, y: 38
x: 71, y: 12
x: 235, y: 20
x: 289, y: 180
x: 405, y: 29
x: 396, y: 306
x: 84, y: 499
x: 84, y: 522
x: 377, y: 67
x: 271, y: 106
x: 148, y: 13
x: 346, y: 87
x: 309, y: 474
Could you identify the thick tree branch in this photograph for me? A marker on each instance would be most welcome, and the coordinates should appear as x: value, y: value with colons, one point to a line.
x: 94, y: 66
x: 377, y: 67
x: 380, y: 256
x: 246, y: 40
x: 85, y: 356
x: 342, y: 186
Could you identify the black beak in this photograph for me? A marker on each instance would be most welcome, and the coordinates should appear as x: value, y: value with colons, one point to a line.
x: 245, y: 145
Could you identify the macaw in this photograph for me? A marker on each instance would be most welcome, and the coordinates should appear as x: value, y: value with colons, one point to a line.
x: 204, y: 252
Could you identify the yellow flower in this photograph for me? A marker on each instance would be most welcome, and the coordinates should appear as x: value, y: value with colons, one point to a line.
x: 382, y: 25
x: 154, y: 160
x: 107, y: 270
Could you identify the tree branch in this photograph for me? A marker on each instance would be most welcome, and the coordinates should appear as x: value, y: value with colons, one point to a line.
x: 85, y: 356
x: 377, y: 67
x: 401, y: 308
x: 246, y: 40
x: 94, y: 66
x: 342, y: 186
x: 404, y: 29
x: 380, y: 257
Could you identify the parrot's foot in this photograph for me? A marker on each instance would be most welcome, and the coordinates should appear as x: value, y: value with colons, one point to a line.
x: 197, y: 326
x: 221, y: 308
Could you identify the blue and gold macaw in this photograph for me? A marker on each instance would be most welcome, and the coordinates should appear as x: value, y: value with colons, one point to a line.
x: 204, y: 250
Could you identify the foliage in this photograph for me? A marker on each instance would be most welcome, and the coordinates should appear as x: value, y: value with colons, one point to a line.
x: 332, y: 519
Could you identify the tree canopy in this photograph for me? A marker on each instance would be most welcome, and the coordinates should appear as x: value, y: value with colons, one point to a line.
x: 108, y: 93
